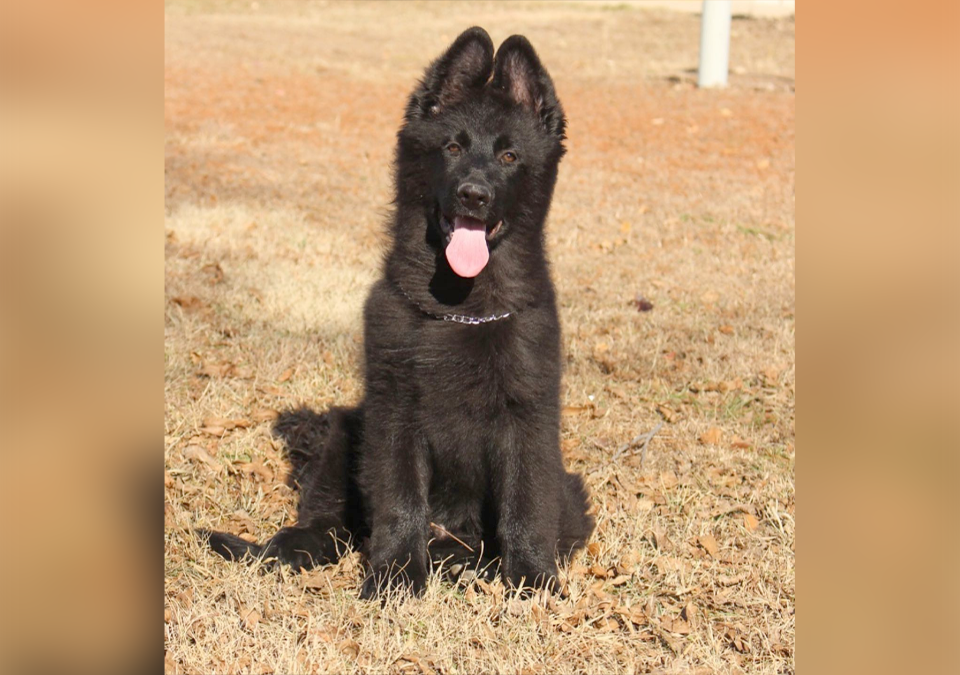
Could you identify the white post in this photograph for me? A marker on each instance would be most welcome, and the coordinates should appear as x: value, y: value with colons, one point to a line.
x: 714, y: 43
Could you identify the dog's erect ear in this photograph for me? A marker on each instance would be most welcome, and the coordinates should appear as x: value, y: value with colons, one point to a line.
x: 519, y: 74
x: 466, y: 65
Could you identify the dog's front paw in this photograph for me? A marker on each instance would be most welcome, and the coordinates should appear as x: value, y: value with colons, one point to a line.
x: 407, y: 577
x: 530, y: 576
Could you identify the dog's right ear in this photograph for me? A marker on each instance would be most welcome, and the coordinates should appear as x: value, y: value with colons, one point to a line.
x: 466, y: 65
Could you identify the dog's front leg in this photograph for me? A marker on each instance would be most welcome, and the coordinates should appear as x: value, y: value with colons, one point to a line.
x: 528, y: 501
x: 396, y: 478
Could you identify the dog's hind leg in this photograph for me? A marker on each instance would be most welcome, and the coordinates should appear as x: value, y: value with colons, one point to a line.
x: 322, y: 450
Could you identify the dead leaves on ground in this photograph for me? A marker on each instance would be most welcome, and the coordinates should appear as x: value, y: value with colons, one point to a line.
x: 224, y: 369
x: 709, y: 544
x: 589, y: 408
x: 218, y: 426
x: 711, y: 436
x: 198, y: 453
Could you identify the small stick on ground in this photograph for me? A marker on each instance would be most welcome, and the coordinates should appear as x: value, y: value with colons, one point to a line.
x: 442, y: 532
x: 642, y: 440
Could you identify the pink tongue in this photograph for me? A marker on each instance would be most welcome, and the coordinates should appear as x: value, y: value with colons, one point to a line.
x: 467, y: 251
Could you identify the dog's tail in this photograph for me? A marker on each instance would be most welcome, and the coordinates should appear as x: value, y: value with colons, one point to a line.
x: 230, y: 546
x: 305, y: 433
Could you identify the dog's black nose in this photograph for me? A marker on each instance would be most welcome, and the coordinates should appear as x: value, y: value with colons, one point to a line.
x: 474, y: 196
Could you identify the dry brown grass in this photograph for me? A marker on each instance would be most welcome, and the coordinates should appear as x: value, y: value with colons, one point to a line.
x: 281, y: 124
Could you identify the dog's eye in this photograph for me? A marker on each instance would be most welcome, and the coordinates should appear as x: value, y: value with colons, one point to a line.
x: 454, y: 149
x: 508, y: 157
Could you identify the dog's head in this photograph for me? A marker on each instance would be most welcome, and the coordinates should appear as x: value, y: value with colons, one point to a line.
x: 479, y: 148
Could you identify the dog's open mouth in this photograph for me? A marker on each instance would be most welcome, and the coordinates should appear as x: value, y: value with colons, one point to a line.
x: 467, y: 238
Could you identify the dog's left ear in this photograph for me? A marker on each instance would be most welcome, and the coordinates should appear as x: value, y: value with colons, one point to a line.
x: 518, y: 73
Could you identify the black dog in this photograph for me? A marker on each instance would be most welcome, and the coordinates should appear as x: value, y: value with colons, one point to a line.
x: 455, y: 449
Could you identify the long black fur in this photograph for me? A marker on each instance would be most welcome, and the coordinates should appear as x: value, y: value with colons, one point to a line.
x: 454, y: 452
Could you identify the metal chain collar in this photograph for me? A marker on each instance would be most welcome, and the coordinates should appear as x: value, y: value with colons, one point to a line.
x: 456, y: 318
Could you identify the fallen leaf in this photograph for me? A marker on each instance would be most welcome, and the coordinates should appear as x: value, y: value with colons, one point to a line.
x: 602, y: 357
x: 667, y: 414
x: 725, y: 580
x: 190, y: 303
x: 726, y: 329
x: 264, y: 415
x: 737, y: 641
x: 316, y: 580
x: 251, y: 618
x: 221, y: 369
x: 642, y: 304
x: 593, y: 548
x: 326, y: 635
x: 725, y: 509
x: 709, y: 544
x: 349, y: 648
x: 711, y: 436
x: 214, y: 272
x: 197, y: 453
x: 243, y: 373
x: 644, y: 504
x: 750, y: 522
x: 668, y: 479
x: 285, y: 375
x: 599, y: 571
x: 490, y: 588
x: 659, y: 540
x: 667, y: 564
x: 225, y: 423
x: 730, y: 385
x: 259, y: 468
x: 709, y: 297
x: 620, y: 580
x: 676, y: 625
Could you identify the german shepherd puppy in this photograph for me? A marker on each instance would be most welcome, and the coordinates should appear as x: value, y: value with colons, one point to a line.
x: 454, y: 452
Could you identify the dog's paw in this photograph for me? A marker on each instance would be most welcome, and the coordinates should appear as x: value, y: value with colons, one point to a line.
x: 301, y: 548
x: 529, y: 577
x: 399, y: 578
